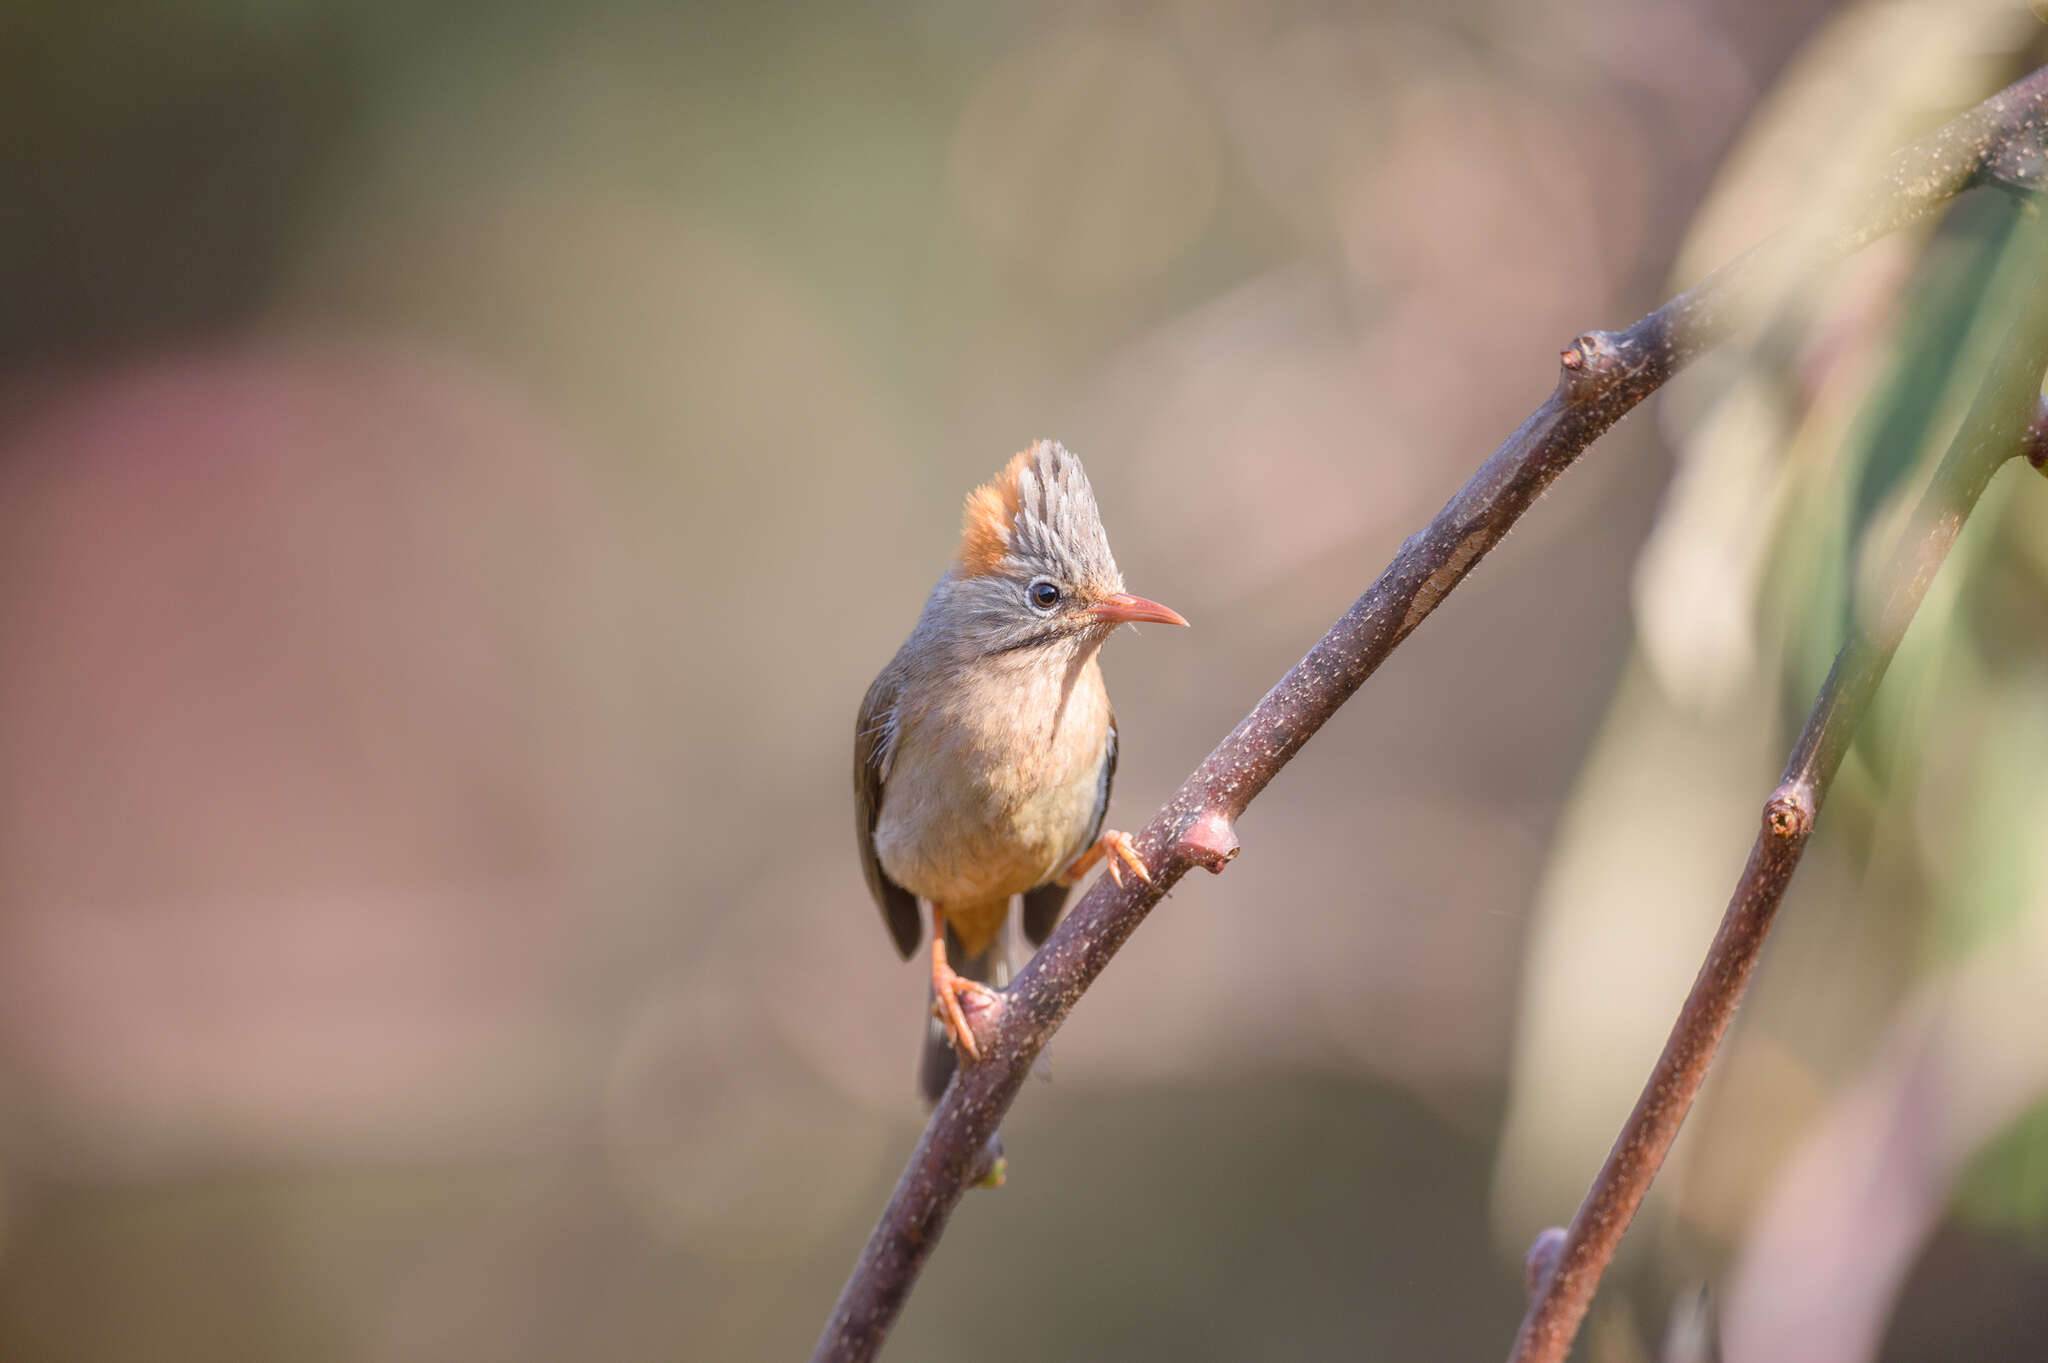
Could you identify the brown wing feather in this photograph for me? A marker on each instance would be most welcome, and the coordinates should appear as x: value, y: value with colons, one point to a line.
x: 873, y: 736
x: 1042, y: 906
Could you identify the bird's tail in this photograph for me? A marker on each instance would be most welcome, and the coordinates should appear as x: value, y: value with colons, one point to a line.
x: 992, y: 968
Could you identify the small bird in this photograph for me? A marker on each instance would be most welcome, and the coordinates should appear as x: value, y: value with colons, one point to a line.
x: 984, y: 752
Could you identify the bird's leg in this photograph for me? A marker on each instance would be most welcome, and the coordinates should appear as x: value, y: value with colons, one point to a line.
x: 947, y: 987
x: 1110, y: 841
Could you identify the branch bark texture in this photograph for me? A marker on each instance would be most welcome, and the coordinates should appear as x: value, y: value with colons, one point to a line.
x: 2007, y: 420
x: 1602, y: 376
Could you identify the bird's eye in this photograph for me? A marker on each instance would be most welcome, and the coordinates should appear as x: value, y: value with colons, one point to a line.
x: 1044, y: 595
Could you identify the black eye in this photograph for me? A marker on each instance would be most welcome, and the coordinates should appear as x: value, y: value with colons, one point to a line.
x: 1044, y: 595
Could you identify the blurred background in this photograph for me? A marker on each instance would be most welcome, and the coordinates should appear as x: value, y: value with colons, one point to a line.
x: 459, y: 471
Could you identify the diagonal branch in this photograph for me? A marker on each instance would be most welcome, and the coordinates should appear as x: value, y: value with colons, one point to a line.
x: 1603, y: 375
x: 2008, y: 419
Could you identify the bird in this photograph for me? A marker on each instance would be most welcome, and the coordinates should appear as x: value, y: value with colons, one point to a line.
x: 984, y: 752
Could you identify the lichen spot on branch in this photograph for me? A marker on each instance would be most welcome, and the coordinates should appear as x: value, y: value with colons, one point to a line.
x: 1440, y: 582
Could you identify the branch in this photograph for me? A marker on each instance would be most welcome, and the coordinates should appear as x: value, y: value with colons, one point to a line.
x: 1602, y: 376
x: 2008, y: 419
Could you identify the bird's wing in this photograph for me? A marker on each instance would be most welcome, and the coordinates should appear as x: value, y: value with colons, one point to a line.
x: 1042, y: 906
x: 874, y: 744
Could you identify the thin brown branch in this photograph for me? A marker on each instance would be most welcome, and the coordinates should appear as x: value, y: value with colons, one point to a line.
x: 1603, y: 375
x: 2008, y: 420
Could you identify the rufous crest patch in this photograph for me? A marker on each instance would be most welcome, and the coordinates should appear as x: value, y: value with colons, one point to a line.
x: 985, y: 523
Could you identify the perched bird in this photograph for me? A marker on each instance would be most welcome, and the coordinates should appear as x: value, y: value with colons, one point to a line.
x: 984, y: 752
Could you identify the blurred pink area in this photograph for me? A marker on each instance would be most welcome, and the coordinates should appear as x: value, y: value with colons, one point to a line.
x: 307, y: 782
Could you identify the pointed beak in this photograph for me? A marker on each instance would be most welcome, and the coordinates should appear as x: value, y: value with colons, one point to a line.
x: 1125, y: 609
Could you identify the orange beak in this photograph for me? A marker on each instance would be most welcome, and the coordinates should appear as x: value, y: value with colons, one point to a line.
x: 1125, y: 609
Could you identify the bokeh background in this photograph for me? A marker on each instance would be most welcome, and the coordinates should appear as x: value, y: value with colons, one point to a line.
x: 460, y: 468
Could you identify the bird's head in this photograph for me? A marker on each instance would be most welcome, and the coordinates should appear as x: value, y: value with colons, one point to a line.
x: 1034, y: 570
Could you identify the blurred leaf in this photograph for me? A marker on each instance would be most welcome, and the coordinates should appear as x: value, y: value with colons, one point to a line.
x: 2006, y: 1186
x: 1986, y: 869
x: 1943, y: 303
x: 1841, y: 527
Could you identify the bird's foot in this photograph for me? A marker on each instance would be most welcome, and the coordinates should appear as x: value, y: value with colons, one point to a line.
x: 949, y: 987
x: 1119, y: 848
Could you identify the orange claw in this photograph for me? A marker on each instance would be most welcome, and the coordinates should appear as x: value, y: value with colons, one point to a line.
x: 1110, y: 841
x: 1127, y: 853
x: 948, y: 985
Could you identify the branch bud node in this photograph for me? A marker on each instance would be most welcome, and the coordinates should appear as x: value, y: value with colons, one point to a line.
x: 1789, y: 812
x: 1589, y: 364
x: 1541, y: 1260
x: 1210, y: 842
